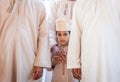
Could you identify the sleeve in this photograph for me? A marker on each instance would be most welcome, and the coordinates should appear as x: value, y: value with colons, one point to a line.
x: 51, y: 24
x: 43, y: 58
x: 74, y: 48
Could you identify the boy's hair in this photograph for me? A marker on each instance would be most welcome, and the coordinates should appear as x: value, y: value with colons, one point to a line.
x: 68, y: 31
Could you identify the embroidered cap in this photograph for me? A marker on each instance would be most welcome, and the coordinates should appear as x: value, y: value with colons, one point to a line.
x: 62, y: 25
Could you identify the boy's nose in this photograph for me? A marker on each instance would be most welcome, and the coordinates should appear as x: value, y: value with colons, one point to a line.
x: 62, y: 37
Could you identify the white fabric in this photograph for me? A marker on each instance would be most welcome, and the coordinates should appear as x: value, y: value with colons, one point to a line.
x: 23, y: 40
x: 95, y: 40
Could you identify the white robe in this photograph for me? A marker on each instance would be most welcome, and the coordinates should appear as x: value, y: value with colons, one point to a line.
x: 23, y: 40
x: 95, y: 40
x: 58, y: 8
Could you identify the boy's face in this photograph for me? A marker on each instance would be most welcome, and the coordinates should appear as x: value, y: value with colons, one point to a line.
x: 63, y: 37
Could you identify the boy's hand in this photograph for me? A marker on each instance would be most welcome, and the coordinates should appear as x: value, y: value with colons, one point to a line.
x: 77, y: 73
x: 62, y: 54
x: 37, y: 72
x: 56, y: 59
x: 59, y: 57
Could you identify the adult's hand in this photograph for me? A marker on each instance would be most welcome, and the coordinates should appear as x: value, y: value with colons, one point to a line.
x: 37, y: 72
x: 77, y: 73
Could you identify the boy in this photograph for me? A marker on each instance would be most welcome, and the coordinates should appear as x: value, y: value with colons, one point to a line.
x: 60, y: 72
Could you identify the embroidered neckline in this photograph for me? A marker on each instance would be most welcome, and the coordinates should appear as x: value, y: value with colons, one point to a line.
x: 67, y: 9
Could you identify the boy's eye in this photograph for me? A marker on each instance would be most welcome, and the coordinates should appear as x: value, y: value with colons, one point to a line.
x: 65, y: 34
x: 59, y: 34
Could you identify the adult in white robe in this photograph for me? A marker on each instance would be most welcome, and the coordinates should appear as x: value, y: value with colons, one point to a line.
x: 59, y: 9
x: 23, y: 40
x: 95, y: 40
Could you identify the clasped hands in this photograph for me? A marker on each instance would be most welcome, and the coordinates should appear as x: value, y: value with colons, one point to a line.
x: 58, y: 57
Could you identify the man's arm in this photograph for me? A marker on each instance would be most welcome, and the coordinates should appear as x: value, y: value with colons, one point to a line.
x: 74, y: 49
x: 42, y: 58
x: 43, y: 51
